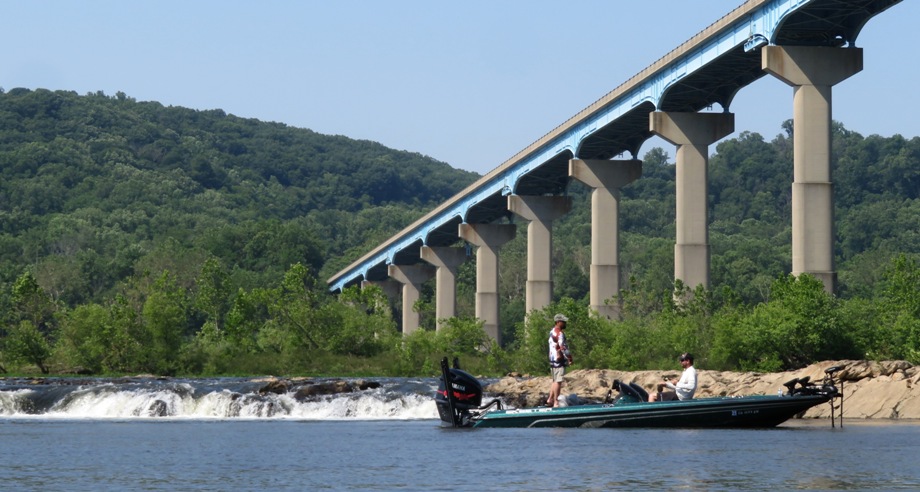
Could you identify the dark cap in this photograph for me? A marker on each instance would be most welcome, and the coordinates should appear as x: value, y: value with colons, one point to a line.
x: 685, y: 356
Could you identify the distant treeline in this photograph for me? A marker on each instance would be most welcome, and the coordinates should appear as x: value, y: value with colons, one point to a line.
x: 136, y: 237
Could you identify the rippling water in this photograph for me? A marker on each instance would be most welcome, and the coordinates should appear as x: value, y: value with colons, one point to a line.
x: 393, y: 441
x: 419, y: 455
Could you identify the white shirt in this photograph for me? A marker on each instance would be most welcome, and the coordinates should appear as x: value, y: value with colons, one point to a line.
x: 558, y: 343
x: 686, y: 386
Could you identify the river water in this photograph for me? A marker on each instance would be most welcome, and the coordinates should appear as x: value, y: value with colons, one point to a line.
x: 97, y: 437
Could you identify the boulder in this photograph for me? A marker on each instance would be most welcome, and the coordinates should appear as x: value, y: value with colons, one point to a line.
x: 366, y: 385
x: 276, y: 386
x: 158, y: 408
x: 305, y: 388
x: 324, y: 388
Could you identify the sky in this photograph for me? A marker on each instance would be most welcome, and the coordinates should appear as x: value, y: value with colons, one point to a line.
x: 468, y: 83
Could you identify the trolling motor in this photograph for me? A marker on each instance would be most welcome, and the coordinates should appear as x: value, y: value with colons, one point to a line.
x: 829, y: 374
x: 459, y: 396
x: 826, y: 387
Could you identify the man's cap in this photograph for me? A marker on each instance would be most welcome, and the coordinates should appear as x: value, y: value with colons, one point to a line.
x: 560, y: 317
x: 685, y: 356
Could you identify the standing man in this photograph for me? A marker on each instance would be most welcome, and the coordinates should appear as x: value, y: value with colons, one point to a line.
x: 682, y: 389
x: 559, y: 357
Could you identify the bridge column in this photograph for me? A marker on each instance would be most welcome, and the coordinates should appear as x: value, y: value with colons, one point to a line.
x: 412, y: 277
x: 541, y: 211
x: 692, y: 133
x: 446, y: 259
x: 812, y: 71
x: 488, y: 238
x: 606, y: 178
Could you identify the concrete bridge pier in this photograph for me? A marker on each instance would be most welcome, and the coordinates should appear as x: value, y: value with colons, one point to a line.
x: 488, y: 238
x: 541, y: 211
x: 812, y: 71
x: 692, y: 133
x: 412, y: 277
x: 446, y: 260
x: 606, y: 178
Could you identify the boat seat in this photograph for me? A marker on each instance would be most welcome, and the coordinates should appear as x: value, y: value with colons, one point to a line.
x: 627, y: 391
x: 640, y: 390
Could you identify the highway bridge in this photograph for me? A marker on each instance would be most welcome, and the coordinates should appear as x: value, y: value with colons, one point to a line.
x: 685, y: 98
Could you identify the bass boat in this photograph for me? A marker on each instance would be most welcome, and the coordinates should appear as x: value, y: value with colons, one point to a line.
x: 459, y: 402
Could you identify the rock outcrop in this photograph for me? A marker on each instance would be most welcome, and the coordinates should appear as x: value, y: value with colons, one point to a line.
x: 883, y: 390
x: 306, y: 389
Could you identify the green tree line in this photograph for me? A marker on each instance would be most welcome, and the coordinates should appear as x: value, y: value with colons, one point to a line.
x: 136, y: 237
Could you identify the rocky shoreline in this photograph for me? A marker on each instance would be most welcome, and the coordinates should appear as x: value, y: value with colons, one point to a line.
x: 872, y: 390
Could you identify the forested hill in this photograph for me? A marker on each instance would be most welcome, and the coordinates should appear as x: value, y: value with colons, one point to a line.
x: 95, y: 188
x: 138, y: 238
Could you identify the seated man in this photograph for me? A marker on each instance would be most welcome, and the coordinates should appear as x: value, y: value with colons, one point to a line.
x: 682, y: 389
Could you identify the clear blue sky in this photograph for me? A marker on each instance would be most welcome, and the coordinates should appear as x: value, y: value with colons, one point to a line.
x: 469, y: 83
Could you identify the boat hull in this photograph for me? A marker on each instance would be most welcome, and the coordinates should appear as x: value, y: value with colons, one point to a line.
x: 734, y: 412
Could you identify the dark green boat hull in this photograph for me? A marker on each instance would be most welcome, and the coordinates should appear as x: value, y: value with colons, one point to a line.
x: 734, y: 412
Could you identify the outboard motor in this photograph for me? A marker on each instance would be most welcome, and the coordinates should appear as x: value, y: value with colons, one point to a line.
x: 463, y: 396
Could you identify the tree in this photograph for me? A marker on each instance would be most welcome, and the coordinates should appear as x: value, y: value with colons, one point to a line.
x: 799, y: 325
x: 82, y: 339
x: 30, y: 323
x: 570, y: 280
x: 295, y: 310
x: 898, y: 333
x: 213, y: 293
x: 166, y: 318
x: 31, y: 303
x: 26, y: 344
x: 364, y: 322
x: 248, y: 314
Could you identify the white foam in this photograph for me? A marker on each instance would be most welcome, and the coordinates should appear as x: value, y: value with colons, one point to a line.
x: 11, y: 402
x: 371, y: 405
x: 108, y: 401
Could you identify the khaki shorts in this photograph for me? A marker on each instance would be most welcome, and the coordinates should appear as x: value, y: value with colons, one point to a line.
x: 558, y: 373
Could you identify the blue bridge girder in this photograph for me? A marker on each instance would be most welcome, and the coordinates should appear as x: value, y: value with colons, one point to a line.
x: 708, y: 69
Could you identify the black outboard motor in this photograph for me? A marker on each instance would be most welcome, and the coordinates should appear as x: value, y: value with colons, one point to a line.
x: 465, y: 395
